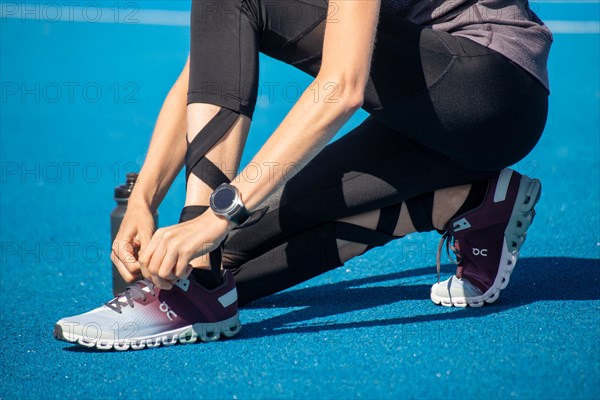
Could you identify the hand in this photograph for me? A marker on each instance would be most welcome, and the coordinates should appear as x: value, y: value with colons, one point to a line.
x: 134, y: 234
x: 166, y: 258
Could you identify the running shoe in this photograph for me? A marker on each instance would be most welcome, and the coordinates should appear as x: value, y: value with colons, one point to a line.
x: 145, y: 316
x: 486, y: 241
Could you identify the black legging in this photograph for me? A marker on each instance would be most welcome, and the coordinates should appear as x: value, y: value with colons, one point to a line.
x: 444, y: 111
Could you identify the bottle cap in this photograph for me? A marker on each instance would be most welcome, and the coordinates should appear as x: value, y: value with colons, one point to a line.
x: 123, y: 191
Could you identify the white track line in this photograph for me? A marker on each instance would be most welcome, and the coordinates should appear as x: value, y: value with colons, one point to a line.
x: 574, y: 27
x: 98, y: 15
x: 54, y: 12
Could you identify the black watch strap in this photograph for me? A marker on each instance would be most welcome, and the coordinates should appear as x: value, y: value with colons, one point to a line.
x: 240, y: 216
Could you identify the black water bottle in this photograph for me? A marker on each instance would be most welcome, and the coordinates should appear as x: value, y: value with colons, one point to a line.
x: 122, y: 194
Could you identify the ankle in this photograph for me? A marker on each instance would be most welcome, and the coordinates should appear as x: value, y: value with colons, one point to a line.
x: 446, y: 203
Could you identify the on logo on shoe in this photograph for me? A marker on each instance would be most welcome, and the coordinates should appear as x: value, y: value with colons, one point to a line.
x: 480, y: 252
x: 164, y: 307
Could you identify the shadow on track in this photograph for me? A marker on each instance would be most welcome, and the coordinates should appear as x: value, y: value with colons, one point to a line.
x: 535, y: 279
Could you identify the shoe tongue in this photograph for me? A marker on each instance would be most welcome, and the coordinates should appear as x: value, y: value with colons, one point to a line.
x: 146, y: 289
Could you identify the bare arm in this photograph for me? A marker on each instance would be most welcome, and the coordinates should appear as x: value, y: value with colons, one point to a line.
x: 167, y: 149
x: 163, y: 162
x: 309, y: 126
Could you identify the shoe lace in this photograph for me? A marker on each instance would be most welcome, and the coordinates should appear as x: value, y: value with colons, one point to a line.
x: 451, y: 244
x: 131, y: 293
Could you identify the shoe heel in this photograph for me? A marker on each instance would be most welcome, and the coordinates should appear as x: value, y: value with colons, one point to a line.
x: 529, y: 193
x: 523, y: 213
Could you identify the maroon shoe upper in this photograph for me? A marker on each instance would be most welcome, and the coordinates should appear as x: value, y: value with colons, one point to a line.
x: 479, y: 233
x: 192, y: 303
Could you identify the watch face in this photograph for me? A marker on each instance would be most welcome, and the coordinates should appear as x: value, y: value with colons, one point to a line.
x: 223, y: 199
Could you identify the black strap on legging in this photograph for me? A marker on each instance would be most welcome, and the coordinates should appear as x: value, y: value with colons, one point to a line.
x: 383, y: 233
x: 420, y: 209
x: 360, y: 234
x: 195, y: 157
x: 388, y: 219
x: 196, y: 163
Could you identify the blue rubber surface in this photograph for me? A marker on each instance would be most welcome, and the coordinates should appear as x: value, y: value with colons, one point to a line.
x: 79, y: 101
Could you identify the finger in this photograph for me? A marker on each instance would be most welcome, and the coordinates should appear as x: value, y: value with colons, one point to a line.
x: 144, y: 237
x: 162, y: 283
x: 123, y: 271
x: 155, y: 263
x: 166, y: 269
x: 188, y: 271
x: 144, y: 270
x: 155, y: 258
x: 143, y: 265
x: 145, y: 273
x: 119, y: 249
x: 148, y: 247
x: 123, y: 251
x: 182, y: 267
x: 147, y: 251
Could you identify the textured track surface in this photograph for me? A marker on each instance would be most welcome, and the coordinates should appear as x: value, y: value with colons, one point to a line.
x: 366, y: 330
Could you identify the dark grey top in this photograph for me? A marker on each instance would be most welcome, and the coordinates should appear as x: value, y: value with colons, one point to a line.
x: 506, y: 26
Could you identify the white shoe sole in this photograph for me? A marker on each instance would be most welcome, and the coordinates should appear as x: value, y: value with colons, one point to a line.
x: 514, y: 238
x: 206, y: 332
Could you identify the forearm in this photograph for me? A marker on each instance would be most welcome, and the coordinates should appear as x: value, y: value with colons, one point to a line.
x: 304, y: 132
x: 319, y: 113
x: 166, y: 152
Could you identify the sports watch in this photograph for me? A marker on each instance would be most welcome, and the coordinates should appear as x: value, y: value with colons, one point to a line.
x: 226, y: 202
